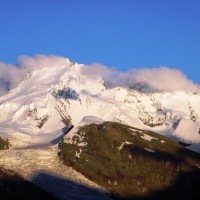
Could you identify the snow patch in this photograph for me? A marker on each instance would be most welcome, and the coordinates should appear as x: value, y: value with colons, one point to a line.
x: 147, y: 137
x: 122, y: 145
x: 150, y: 150
x: 78, y: 153
x: 87, y: 120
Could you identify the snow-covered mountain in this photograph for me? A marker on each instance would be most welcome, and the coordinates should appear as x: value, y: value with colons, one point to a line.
x: 52, y: 99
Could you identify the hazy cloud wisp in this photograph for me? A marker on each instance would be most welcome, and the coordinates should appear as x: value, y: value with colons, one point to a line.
x: 12, y: 74
x: 158, y: 79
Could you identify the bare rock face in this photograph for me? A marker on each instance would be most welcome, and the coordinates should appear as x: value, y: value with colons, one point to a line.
x: 133, y: 163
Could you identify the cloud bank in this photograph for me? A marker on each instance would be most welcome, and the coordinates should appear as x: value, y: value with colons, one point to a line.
x: 164, y: 79
x: 157, y: 79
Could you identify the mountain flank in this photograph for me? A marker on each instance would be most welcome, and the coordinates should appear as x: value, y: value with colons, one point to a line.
x: 130, y: 162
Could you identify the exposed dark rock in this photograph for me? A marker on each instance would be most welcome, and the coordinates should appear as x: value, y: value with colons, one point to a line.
x: 42, y: 121
x: 4, y: 144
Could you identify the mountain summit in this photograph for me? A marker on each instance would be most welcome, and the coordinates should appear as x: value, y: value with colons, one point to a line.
x: 53, y: 98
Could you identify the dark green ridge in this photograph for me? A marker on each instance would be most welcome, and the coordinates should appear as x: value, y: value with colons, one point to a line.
x: 138, y: 169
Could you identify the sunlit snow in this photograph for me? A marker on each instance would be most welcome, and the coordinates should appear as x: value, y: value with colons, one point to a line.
x: 51, y: 99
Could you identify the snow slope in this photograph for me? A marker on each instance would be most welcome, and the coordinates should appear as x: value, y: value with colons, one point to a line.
x: 53, y: 98
x: 85, y: 121
x: 187, y: 130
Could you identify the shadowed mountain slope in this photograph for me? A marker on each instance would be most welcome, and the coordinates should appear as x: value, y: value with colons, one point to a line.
x: 13, y: 186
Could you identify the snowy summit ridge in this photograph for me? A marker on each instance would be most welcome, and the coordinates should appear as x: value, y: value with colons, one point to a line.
x: 52, y: 98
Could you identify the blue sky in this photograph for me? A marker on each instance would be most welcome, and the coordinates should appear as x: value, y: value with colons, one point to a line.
x: 123, y: 34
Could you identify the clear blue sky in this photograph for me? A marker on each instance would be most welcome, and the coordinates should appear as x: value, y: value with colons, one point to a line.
x: 118, y: 33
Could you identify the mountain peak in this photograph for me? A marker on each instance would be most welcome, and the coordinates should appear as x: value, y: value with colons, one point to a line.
x: 60, y: 93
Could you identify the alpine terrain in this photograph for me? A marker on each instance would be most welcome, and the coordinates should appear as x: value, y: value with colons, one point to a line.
x: 76, y: 137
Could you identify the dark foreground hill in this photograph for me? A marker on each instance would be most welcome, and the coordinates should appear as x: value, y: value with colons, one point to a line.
x: 133, y: 163
x: 13, y: 187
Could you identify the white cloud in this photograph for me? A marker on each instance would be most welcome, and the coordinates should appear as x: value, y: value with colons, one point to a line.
x: 11, y: 75
x: 39, y: 61
x: 158, y: 79
x: 165, y: 79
